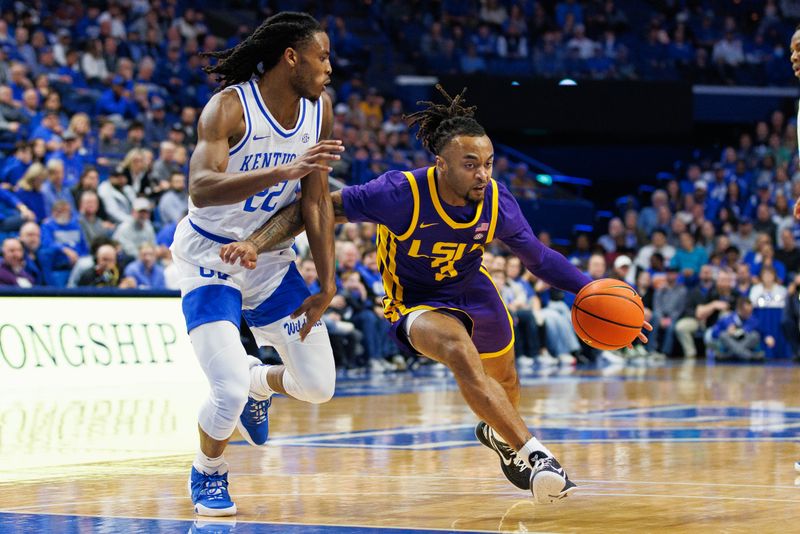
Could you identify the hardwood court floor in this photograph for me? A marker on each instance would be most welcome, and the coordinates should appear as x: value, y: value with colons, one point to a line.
x: 672, y: 449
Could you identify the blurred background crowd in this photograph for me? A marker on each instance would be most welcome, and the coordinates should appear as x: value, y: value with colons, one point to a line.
x: 98, y: 111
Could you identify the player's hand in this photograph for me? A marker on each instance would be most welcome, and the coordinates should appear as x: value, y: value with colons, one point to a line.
x: 642, y: 337
x: 797, y: 210
x: 314, y: 306
x: 244, y: 251
x: 315, y: 159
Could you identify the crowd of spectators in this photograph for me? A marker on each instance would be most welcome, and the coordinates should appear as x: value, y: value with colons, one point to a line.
x: 98, y: 112
x: 706, y: 42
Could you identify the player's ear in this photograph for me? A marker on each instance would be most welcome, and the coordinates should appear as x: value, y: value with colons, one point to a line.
x: 290, y: 55
x: 441, y: 164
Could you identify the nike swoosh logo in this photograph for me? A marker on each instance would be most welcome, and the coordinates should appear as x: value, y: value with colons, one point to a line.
x: 259, y: 138
x: 423, y: 225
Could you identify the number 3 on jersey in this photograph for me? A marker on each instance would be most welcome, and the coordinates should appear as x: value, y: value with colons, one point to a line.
x: 267, y: 197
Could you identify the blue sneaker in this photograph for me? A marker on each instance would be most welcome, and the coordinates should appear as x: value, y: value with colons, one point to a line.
x: 253, y: 424
x: 210, y: 494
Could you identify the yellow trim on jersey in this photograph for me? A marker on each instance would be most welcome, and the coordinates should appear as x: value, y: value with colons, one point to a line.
x: 487, y: 355
x: 440, y: 210
x: 493, y: 223
x: 387, y: 250
x: 415, y: 215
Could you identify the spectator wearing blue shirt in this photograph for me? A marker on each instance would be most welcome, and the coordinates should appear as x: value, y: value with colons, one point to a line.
x: 767, y: 257
x: 13, y: 212
x: 54, y: 188
x: 173, y: 204
x: 49, y: 130
x: 15, y: 165
x: 72, y: 159
x: 568, y: 7
x: 38, y: 260
x: 737, y: 333
x: 308, y: 270
x: 29, y: 190
x: 689, y: 257
x: 156, y: 127
x: 116, y: 101
x: 63, y: 232
x: 166, y: 235
x: 146, y: 270
x: 19, y: 81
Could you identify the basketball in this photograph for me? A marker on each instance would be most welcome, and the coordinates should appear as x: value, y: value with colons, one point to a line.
x: 607, y: 314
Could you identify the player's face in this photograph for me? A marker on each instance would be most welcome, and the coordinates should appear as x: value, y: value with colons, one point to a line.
x: 312, y: 69
x: 466, y: 165
x: 794, y: 46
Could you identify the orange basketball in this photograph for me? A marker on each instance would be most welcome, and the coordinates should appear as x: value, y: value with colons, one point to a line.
x: 607, y: 314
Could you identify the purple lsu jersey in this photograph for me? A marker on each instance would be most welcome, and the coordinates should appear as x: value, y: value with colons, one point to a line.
x: 430, y: 255
x: 436, y: 255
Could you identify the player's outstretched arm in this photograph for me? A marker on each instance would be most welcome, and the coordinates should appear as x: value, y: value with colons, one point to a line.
x: 545, y: 263
x: 315, y: 204
x: 209, y: 183
x: 275, y: 234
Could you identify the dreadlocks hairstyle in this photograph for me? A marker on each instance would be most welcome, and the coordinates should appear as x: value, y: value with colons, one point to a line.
x: 266, y: 46
x: 440, y: 123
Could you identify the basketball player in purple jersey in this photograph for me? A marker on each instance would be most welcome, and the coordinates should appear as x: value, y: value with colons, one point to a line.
x: 433, y: 226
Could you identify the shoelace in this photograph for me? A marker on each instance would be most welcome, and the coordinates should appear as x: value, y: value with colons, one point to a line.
x: 542, y: 462
x: 519, y: 463
x: 214, y: 487
x: 257, y: 411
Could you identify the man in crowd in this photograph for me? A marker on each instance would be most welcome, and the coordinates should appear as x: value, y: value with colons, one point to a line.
x: 137, y: 230
x: 12, y: 268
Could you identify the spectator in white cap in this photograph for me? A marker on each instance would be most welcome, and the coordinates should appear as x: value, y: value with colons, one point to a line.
x: 138, y: 230
x: 622, y: 269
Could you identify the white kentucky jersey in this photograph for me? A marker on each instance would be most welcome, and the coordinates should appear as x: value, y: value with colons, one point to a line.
x: 265, y: 144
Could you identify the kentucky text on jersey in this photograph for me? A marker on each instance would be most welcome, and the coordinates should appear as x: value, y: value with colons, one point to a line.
x: 261, y: 160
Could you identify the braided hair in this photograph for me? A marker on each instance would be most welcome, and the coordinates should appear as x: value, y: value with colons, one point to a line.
x: 440, y: 123
x: 265, y: 45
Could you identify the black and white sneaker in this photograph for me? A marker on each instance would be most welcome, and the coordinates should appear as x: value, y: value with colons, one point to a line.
x: 549, y: 481
x: 514, y: 468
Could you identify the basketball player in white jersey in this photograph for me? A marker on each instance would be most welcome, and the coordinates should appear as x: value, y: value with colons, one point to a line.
x: 261, y: 140
x: 794, y: 49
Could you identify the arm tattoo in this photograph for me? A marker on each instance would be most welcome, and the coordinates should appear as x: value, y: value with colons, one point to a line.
x: 287, y: 223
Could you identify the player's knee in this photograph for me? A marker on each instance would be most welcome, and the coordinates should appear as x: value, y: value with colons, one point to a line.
x: 464, y: 362
x: 314, y: 387
x: 320, y: 392
x: 230, y: 389
x: 507, y: 377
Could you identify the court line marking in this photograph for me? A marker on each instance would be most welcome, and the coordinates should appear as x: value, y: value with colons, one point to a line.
x: 475, y: 478
x: 434, y: 445
x: 702, y: 497
x: 377, y: 528
x: 24, y: 509
x: 578, y: 480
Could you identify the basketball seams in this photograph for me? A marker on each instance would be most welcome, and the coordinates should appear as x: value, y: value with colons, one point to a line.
x: 600, y: 344
x: 635, y: 301
x: 604, y: 319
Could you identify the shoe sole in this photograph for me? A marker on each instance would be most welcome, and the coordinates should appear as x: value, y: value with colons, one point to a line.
x: 199, y: 509
x: 502, y: 462
x: 246, y: 435
x: 548, y: 488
